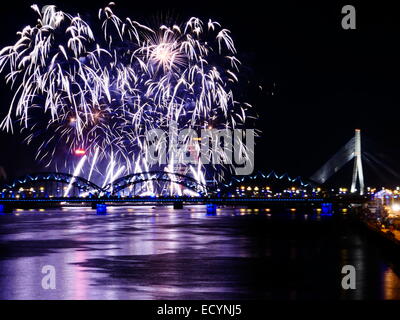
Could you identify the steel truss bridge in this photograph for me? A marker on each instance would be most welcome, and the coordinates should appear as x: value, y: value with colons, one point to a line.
x: 116, y: 188
x: 57, y: 180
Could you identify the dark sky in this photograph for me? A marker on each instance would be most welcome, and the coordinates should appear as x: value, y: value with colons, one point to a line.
x: 326, y: 81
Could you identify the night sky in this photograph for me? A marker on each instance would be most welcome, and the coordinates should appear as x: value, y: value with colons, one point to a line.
x: 319, y: 82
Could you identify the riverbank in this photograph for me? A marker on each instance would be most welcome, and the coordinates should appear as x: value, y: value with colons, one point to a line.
x: 385, y: 236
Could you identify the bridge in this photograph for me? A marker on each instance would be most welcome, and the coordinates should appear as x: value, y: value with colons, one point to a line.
x: 48, y: 189
x: 351, y: 150
x: 46, y: 184
x: 306, y: 205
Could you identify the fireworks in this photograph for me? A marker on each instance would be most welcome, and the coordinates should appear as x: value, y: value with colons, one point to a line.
x: 99, y: 87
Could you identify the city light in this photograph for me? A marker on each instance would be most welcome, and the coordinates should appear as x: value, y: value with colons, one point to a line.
x: 396, y: 207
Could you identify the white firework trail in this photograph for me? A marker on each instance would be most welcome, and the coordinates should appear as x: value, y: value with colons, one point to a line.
x: 94, y: 161
x: 76, y: 173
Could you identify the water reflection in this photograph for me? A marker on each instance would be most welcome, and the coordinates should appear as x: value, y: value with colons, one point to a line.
x: 162, y: 253
x: 391, y: 285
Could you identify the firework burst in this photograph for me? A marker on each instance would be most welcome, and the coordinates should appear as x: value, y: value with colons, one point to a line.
x: 101, y: 86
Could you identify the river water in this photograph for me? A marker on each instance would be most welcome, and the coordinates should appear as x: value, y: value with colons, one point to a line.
x: 162, y: 253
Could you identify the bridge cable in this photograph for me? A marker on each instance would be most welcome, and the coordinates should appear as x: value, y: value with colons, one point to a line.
x: 335, y: 163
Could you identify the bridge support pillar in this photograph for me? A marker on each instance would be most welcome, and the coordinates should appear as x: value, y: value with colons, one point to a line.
x: 5, y: 209
x: 101, y: 209
x: 178, y: 205
x: 211, y: 209
x: 358, y: 169
x: 327, y: 208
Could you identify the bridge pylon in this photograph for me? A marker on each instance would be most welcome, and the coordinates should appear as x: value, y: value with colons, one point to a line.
x: 357, y: 169
x: 351, y: 150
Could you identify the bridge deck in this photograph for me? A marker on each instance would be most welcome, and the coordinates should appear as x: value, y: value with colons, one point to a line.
x: 237, y: 201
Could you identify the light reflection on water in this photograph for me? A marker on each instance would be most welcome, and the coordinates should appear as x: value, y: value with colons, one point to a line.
x: 162, y: 253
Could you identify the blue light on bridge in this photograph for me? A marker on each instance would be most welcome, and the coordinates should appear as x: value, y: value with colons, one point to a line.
x: 211, y: 209
x: 326, y: 208
x: 101, y: 209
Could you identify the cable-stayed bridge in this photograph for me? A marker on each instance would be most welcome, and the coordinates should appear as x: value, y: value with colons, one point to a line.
x: 351, y: 150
